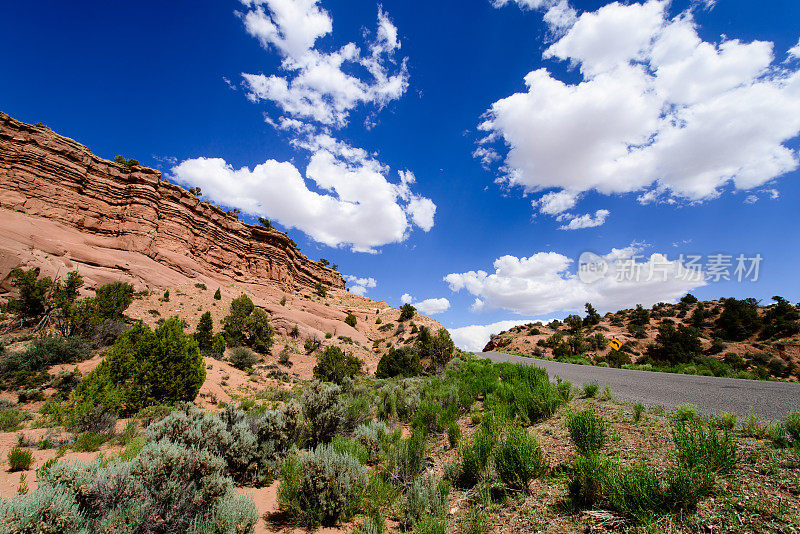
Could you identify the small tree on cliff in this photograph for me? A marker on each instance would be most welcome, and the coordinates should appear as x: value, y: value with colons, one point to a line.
x: 205, y: 332
x: 247, y: 325
x: 406, y: 312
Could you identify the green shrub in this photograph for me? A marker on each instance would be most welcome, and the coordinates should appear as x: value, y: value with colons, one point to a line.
x: 406, y: 312
x: 325, y: 411
x: 320, y: 290
x: 474, y: 455
x: 247, y: 325
x: 635, y: 491
x: 11, y: 418
x: 751, y: 426
x: 351, y: 446
x: 112, y: 299
x: 204, y: 333
x: 399, y: 362
x: 89, y: 442
x: 675, y: 345
x: 587, y: 431
x: 430, y: 524
x: 33, y: 292
x: 792, y: 424
x: 726, y: 421
x: 243, y: 358
x: 252, y: 446
x: 48, y: 509
x: 350, y: 320
x: 519, y: 459
x: 775, y: 431
x: 27, y: 369
x: 590, y: 389
x: 685, y: 412
x: 218, y: 345
x: 217, y: 294
x: 371, y: 435
x: 179, y: 489
x: 399, y: 399
x: 146, y: 368
x: 405, y: 460
x: 374, y: 524
x: 586, y: 480
x: 739, y: 319
x: 638, y: 410
x: 453, y: 433
x: 525, y: 392
x: 437, y: 348
x: 19, y: 459
x: 322, y: 486
x: 334, y: 365
x: 423, y: 499
x: 700, y: 446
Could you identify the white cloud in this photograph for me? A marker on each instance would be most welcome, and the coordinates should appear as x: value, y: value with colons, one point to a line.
x: 344, y: 196
x: 356, y: 205
x: 751, y: 199
x: 474, y: 337
x: 558, y: 13
x: 795, y: 50
x: 432, y: 306
x: 360, y: 285
x: 427, y: 306
x: 658, y: 111
x: 587, y: 220
x: 544, y: 284
x: 556, y: 202
x: 321, y: 86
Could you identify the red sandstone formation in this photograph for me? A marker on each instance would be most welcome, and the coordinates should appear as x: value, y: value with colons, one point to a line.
x: 83, y: 205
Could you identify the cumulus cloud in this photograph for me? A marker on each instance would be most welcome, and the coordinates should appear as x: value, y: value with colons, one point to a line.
x: 427, y: 306
x: 474, y: 337
x: 321, y: 85
x: 558, y: 13
x: 587, y: 220
x: 358, y: 285
x: 544, y: 283
x: 795, y: 50
x: 657, y: 111
x: 344, y: 197
x: 353, y: 202
x: 432, y: 306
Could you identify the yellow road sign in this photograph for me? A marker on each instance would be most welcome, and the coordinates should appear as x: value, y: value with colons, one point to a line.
x: 615, y: 343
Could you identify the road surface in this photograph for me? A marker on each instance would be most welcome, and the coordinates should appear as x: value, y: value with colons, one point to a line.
x: 769, y: 400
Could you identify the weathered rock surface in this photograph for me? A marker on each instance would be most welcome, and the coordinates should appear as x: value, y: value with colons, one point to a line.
x: 82, y: 205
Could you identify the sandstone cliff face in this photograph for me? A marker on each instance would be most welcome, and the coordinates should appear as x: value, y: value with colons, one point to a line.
x: 46, y: 175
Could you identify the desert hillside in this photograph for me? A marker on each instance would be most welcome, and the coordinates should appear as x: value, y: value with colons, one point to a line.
x: 725, y: 337
x: 64, y: 209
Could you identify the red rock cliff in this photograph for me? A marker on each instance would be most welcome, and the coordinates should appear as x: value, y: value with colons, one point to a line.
x: 47, y: 175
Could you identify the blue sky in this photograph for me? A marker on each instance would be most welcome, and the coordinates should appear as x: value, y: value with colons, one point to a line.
x: 658, y: 128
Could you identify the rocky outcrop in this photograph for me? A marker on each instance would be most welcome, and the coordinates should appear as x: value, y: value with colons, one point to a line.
x: 46, y: 175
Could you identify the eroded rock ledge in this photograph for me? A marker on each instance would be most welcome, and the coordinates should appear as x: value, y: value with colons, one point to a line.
x: 48, y: 175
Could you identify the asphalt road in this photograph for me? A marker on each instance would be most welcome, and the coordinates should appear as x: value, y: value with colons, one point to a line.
x: 769, y: 400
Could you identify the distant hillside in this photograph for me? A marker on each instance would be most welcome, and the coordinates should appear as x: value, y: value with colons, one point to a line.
x: 726, y: 337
